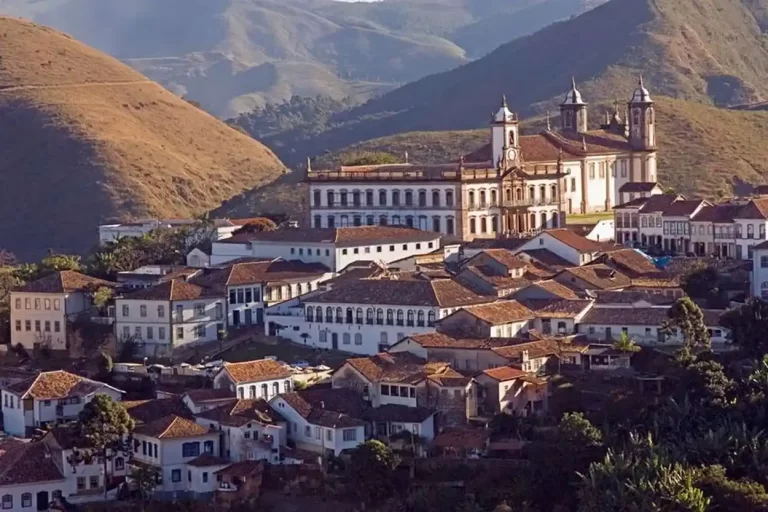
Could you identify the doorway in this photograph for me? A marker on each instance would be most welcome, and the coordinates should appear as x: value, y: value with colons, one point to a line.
x: 335, y: 341
x: 608, y: 334
x: 248, y: 317
x: 236, y: 318
x: 42, y: 500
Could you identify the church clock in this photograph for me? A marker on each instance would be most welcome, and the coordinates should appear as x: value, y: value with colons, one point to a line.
x: 512, y: 155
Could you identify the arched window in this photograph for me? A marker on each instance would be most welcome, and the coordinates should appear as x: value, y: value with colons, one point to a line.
x: 383, y: 338
x: 435, y: 198
x: 483, y: 225
x: 561, y: 327
x: 431, y: 318
x: 369, y: 316
x: 420, y: 319
x: 319, y: 314
x: 26, y: 499
x: 409, y: 221
x: 390, y: 317
x: 310, y: 314
x: 494, y: 224
x: 318, y: 198
x: 208, y: 447
x: 422, y: 198
x: 7, y: 501
x: 359, y: 315
x: 410, y: 318
x: 543, y: 220
x: 493, y: 198
x: 533, y: 221
x: 331, y: 221
x: 264, y: 391
x: 382, y: 198
x: 542, y: 193
x: 343, y: 198
x: 346, y: 339
x: 555, y: 220
x: 471, y: 196
x: 472, y: 225
x: 449, y: 198
x: 508, y: 194
x: 483, y: 204
x: 750, y: 231
x: 356, y: 198
x: 330, y: 198
x: 358, y: 339
x: 369, y: 197
x: 275, y: 388
x: 380, y: 316
x: 553, y: 193
x: 400, y: 317
x: 252, y: 391
x: 287, y: 386
x: 408, y: 198
x: 329, y: 314
x: 518, y: 194
x: 643, y: 221
x: 531, y: 193
x: 395, y: 198
x: 395, y: 220
x: 356, y: 221
x: 349, y: 315
x: 344, y: 220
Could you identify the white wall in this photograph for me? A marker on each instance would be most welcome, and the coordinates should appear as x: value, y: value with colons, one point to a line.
x: 251, y: 390
x: 644, y: 334
x: 170, y: 457
x: 16, y: 491
x: 760, y: 274
x: 385, y: 252
x: 546, y: 241
x: 46, y: 310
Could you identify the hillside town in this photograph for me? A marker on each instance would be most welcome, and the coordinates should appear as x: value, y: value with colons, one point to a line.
x: 439, y: 313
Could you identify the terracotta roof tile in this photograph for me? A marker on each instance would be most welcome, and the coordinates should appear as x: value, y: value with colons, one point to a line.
x: 504, y: 373
x: 175, y: 289
x: 632, y: 297
x: 653, y: 204
x: 54, y: 385
x: 440, y: 340
x: 256, y: 371
x: 399, y: 414
x: 457, y: 437
x: 207, y: 460
x: 718, y: 213
x: 756, y: 209
x: 597, y: 277
x: 253, y: 272
x: 653, y: 316
x: 638, y: 187
x: 509, y: 244
x: 397, y: 367
x: 487, y: 275
x: 201, y: 396
x: 65, y: 281
x: 239, y: 412
x: 630, y: 260
x: 550, y: 260
x: 498, y: 313
x: 242, y: 469
x: 683, y: 208
x: 573, y: 240
x: 347, y: 236
x: 542, y: 348
x: 26, y: 463
x: 333, y: 408
x: 504, y: 257
x: 146, y: 411
x: 171, y: 427
x: 558, y: 308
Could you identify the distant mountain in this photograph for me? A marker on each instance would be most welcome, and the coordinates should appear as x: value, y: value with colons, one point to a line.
x: 708, y: 51
x: 234, y: 55
x: 87, y: 140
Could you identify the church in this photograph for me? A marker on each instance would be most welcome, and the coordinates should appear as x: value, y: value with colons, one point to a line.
x: 512, y: 186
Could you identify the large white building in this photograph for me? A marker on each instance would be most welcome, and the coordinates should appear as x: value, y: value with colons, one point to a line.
x: 169, y: 315
x: 513, y: 184
x: 335, y: 248
x: 40, y: 309
x: 221, y: 228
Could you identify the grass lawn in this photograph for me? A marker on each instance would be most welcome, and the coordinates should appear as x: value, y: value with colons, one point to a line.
x: 589, y: 218
x: 285, y: 351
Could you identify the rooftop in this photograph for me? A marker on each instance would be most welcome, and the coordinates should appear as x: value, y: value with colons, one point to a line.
x: 253, y: 272
x: 64, y: 281
x: 499, y: 313
x: 557, y: 308
x: 597, y: 277
x: 256, y: 371
x: 396, y: 367
x: 638, y: 187
x: 332, y: 408
x: 573, y: 240
x: 239, y: 412
x: 56, y: 384
x: 174, y: 290
x: 146, y: 411
x: 504, y: 373
x: 26, y: 463
x: 440, y: 340
x: 650, y: 316
x: 340, y: 237
x: 171, y: 427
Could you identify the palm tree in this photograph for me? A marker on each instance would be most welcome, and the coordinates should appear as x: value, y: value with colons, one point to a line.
x: 625, y: 343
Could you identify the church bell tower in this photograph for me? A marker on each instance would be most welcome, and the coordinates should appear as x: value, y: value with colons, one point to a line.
x: 505, y: 137
x: 573, y: 111
x: 642, y: 129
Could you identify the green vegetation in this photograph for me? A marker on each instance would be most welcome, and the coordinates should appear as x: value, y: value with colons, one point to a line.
x: 686, y: 317
x: 626, y: 344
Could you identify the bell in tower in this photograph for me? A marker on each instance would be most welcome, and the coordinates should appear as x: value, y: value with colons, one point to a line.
x: 505, y: 135
x: 642, y: 129
x: 573, y: 111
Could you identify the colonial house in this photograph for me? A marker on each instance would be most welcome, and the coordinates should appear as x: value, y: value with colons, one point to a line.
x: 30, y: 476
x: 48, y: 398
x: 759, y: 280
x: 593, y: 277
x: 326, y: 421
x: 644, y: 326
x: 169, y: 315
x: 512, y: 391
x: 495, y: 272
x: 495, y: 320
x: 201, y: 400
x: 252, y: 286
x: 565, y: 244
x: 170, y: 444
x: 40, y: 309
x: 513, y: 184
x: 221, y: 228
x: 334, y: 247
x: 152, y: 275
x: 557, y: 316
x: 627, y: 220
x: 261, y: 378
x: 366, y: 316
x: 249, y: 429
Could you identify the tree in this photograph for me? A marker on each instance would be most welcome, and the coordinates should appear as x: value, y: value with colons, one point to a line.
x: 729, y: 495
x: 54, y: 262
x: 105, y: 363
x: 368, y: 158
x: 106, y: 427
x: 625, y: 343
x: 145, y: 479
x: 748, y: 325
x: 128, y: 351
x: 102, y: 296
x: 371, y: 471
x: 257, y: 225
x: 685, y: 316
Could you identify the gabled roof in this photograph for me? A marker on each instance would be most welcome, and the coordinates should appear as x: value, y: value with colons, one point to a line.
x: 440, y: 340
x: 653, y: 204
x: 203, y: 396
x: 718, y: 213
x: 147, y: 411
x: 504, y: 257
x: 254, y: 272
x: 547, y: 258
x: 396, y: 367
x: 556, y: 289
x: 573, y: 240
x: 332, y: 408
x: 542, y: 348
x: 56, y: 384
x: 65, y: 281
x: 174, y: 290
x: 504, y: 373
x: 171, y: 427
x: 499, y: 313
x: 558, y: 308
x: 652, y: 316
x: 239, y: 412
x: 683, y: 208
x: 399, y: 414
x: 638, y: 187
x: 402, y: 292
x: 255, y: 371
x: 756, y: 209
x: 26, y: 463
x: 632, y: 261
x: 207, y: 460
x: 598, y: 277
x: 346, y: 236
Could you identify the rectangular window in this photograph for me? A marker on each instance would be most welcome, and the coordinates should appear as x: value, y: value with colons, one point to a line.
x: 143, y: 311
x: 37, y: 325
x: 161, y: 333
x: 248, y: 295
x: 126, y: 310
x: 37, y: 303
x: 190, y: 449
x: 179, y: 333
x: 240, y: 296
x: 18, y: 303
x: 126, y: 332
x: 80, y: 483
x: 138, y: 331
x: 26, y: 500
x: 307, y: 431
x: 56, y: 304
x: 27, y: 303
x: 232, y: 297
x: 200, y: 331
x: 47, y: 326
x: 219, y: 311
x: 176, y: 475
x: 318, y: 433
x: 179, y: 313
x: 47, y: 303
x: 349, y: 434
x: 18, y: 325
x: 385, y: 389
x: 161, y: 311
x: 205, y: 477
x: 200, y: 309
x: 150, y: 333
x: 94, y: 481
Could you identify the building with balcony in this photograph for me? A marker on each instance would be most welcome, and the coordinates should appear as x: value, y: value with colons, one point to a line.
x: 169, y: 315
x: 514, y: 184
x: 261, y: 378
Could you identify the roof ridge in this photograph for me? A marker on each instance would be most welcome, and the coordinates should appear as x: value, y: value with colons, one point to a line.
x: 173, y: 421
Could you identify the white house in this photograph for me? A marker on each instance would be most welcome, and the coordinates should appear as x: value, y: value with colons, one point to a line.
x: 40, y: 309
x: 333, y: 247
x: 643, y: 325
x: 251, y: 286
x: 262, y: 378
x: 366, y: 316
x: 221, y: 229
x: 564, y: 243
x: 201, y: 400
x: 31, y: 479
x: 511, y: 390
x: 759, y: 279
x: 635, y: 190
x: 169, y: 315
x: 323, y: 420
x: 170, y: 443
x: 151, y: 275
x: 250, y: 430
x: 49, y: 397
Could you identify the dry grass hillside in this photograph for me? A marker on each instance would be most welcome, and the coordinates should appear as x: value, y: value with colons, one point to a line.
x: 86, y: 139
x: 703, y: 151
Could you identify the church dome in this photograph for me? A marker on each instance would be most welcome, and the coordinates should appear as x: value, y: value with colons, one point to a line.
x: 573, y: 97
x: 641, y: 94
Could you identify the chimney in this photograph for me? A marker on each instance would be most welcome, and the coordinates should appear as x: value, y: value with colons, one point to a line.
x: 525, y: 356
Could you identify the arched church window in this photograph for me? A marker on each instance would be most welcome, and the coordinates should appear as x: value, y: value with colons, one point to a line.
x: 543, y: 220
x: 512, y: 138
x: 482, y: 199
x: 493, y: 198
x: 382, y: 198
x: 471, y: 198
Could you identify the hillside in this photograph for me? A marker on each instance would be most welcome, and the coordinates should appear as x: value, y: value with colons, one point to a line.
x: 86, y: 139
x: 703, y: 151
x: 708, y: 51
x: 234, y: 55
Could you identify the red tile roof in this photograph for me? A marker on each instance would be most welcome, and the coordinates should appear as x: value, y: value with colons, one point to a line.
x: 239, y: 412
x: 457, y: 437
x: 171, y: 427
x: 256, y: 371
x: 207, y: 460
x: 175, y: 290
x: 597, y: 277
x: 653, y: 316
x: 254, y: 272
x: 504, y: 373
x: 573, y: 240
x: 631, y: 261
x: 638, y: 187
x: 756, y: 209
x: 498, y: 313
x: 332, y: 408
x: 557, y: 289
x: 504, y: 257
x: 56, y: 384
x: 201, y: 396
x: 27, y: 463
x: 558, y: 308
x: 683, y: 208
x: 65, y: 281
x: 347, y: 236
x: 146, y: 411
x: 440, y: 340
x: 542, y: 348
x: 397, y: 367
